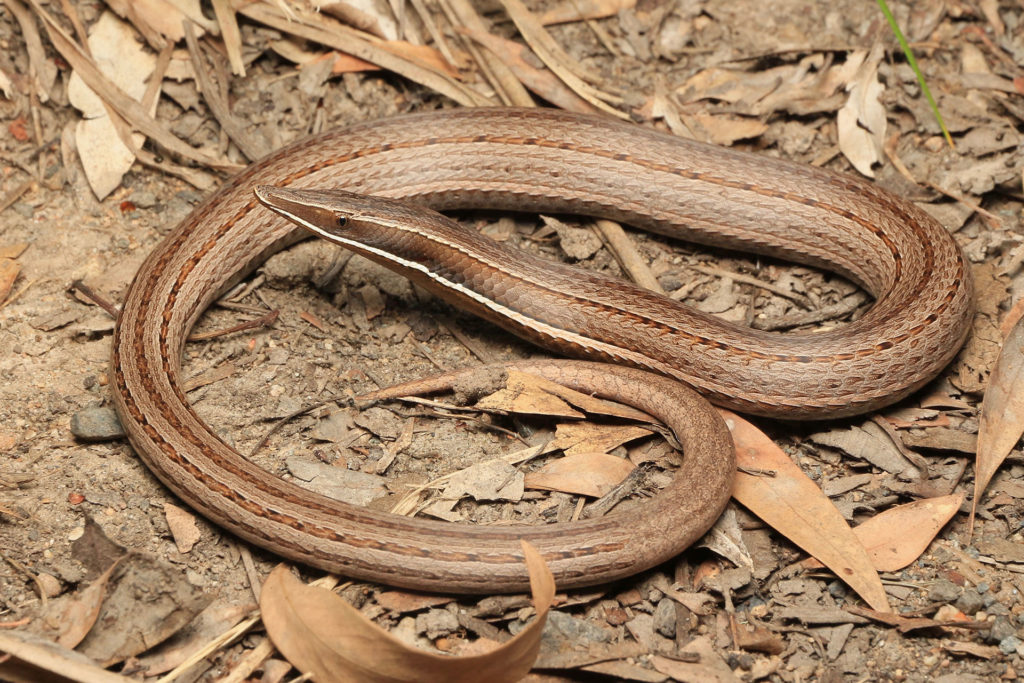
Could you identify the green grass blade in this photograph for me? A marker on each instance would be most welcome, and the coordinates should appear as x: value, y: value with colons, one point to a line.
x: 913, y: 65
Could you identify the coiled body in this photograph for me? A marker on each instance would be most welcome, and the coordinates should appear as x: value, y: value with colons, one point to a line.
x: 537, y: 160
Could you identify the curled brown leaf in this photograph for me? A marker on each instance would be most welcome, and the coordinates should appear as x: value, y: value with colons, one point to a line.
x: 321, y: 634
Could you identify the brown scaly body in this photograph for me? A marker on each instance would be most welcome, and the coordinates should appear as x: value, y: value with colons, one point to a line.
x: 550, y: 161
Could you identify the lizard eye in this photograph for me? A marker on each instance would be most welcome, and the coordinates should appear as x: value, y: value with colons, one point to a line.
x: 342, y: 221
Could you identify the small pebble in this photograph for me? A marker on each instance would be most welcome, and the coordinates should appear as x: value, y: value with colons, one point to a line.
x: 944, y: 591
x: 98, y: 423
x: 1010, y: 645
x: 969, y: 601
x: 24, y: 210
x: 665, y: 618
x: 995, y: 607
x: 837, y: 589
x: 1001, y: 630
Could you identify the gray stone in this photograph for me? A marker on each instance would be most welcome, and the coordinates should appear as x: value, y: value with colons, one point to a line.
x: 1010, y: 645
x: 665, y: 618
x: 1001, y: 630
x: 944, y: 591
x: 969, y: 602
x: 99, y: 423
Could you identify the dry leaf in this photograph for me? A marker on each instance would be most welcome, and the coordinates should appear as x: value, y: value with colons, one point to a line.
x: 990, y: 8
x: 231, y: 35
x: 1001, y: 550
x: 312, y: 320
x: 372, y: 16
x: 912, y: 624
x: 211, y: 376
x: 401, y: 602
x: 589, y: 437
x: 13, y: 251
x: 213, y: 622
x: 424, y: 55
x: 709, y: 668
x: 526, y: 393
x: 911, y: 417
x: 340, y: 62
x: 171, y: 602
x: 337, y: 427
x: 790, y: 87
x: 339, y: 483
x: 183, y: 527
x: 126, y: 106
x: 757, y: 638
x: 588, y: 474
x: 77, y: 617
x: 373, y: 301
x: 9, y: 270
x: 28, y: 657
x: 861, y: 121
x: 977, y: 359
x: 592, y: 404
x: 162, y: 16
x: 555, y: 58
x: 490, y: 480
x: 321, y: 634
x: 898, y: 536
x: 1002, y: 412
x: 725, y: 130
x: 576, y: 10
x: 578, y: 244
x: 725, y: 538
x: 118, y: 54
x: 541, y: 81
x: 42, y: 69
x: 727, y: 85
x: 343, y: 63
x: 866, y: 441
x: 323, y: 30
x: 973, y: 649
x: 795, y: 507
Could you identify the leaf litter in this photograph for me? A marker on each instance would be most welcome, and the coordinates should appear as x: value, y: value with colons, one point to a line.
x: 781, y: 86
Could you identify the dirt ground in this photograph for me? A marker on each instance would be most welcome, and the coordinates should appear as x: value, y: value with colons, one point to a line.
x: 747, y: 74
